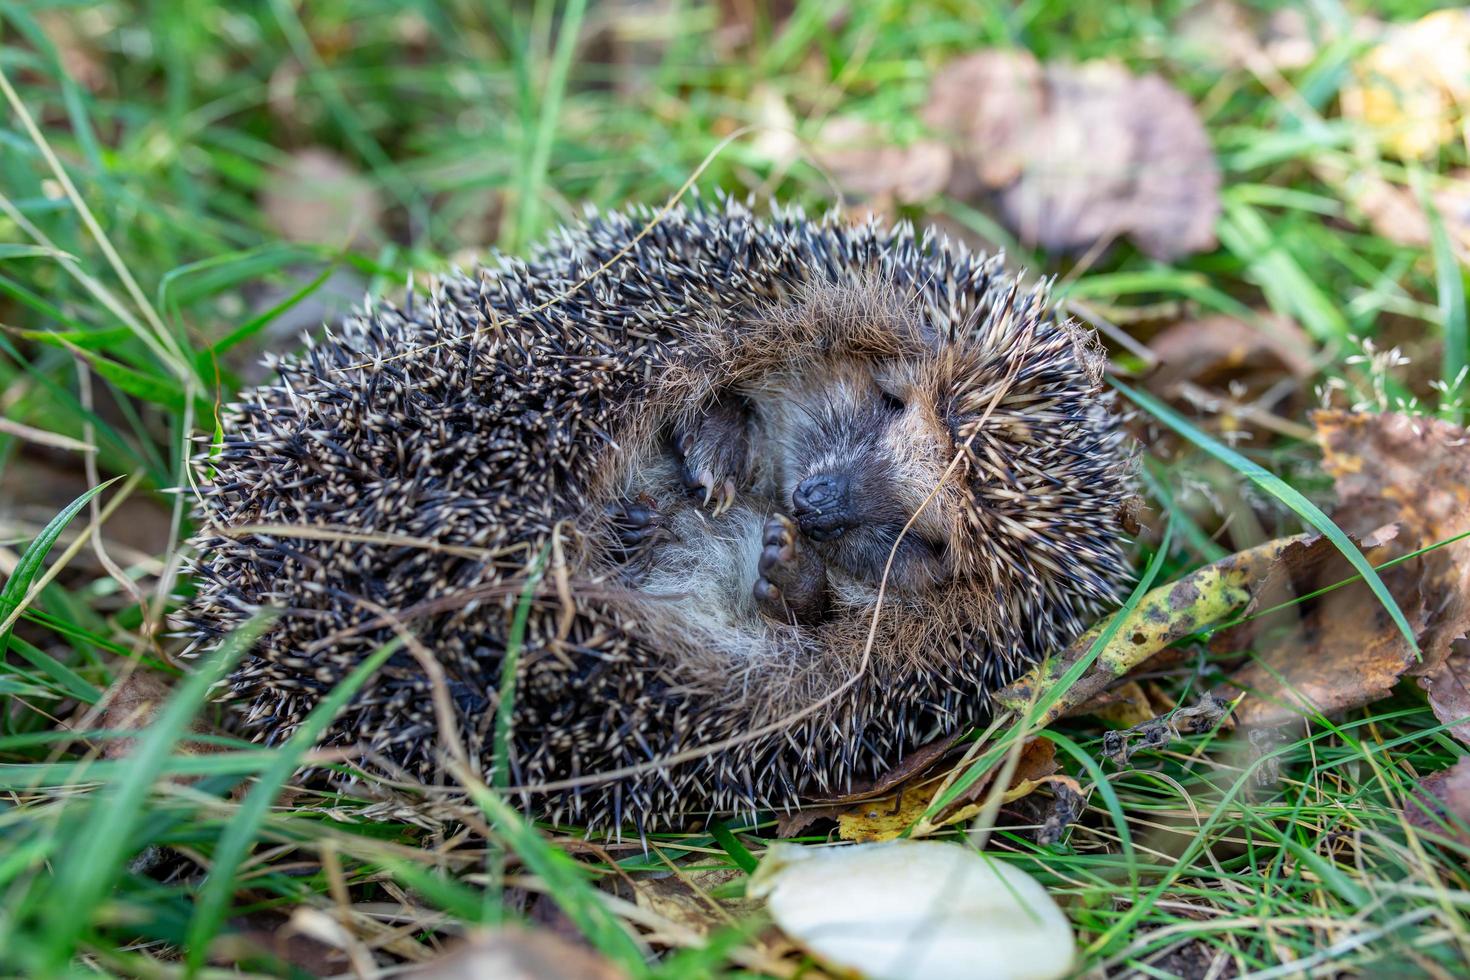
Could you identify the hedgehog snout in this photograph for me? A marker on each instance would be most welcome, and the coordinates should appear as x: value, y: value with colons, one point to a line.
x: 823, y: 507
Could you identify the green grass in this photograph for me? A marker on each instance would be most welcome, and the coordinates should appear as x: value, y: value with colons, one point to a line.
x: 138, y: 143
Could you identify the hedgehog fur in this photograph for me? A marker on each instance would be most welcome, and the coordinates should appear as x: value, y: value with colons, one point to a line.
x: 440, y: 465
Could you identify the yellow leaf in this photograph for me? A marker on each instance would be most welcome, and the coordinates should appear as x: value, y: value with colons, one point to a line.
x: 1414, y: 86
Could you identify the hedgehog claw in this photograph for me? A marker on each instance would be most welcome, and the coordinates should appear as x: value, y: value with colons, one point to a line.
x: 718, y: 496
x: 636, y: 524
x: 726, y: 498
x: 714, y: 452
x: 778, y: 545
x: 792, y: 582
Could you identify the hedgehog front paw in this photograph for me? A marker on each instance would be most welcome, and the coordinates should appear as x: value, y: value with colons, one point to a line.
x: 792, y: 582
x: 714, y: 453
x: 636, y: 525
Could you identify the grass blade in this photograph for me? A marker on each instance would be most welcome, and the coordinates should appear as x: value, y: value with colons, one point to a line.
x: 738, y: 852
x: 67, y: 679
x: 563, y: 877
x: 258, y: 322
x: 1023, y: 725
x: 533, y: 178
x: 103, y: 841
x: 214, y: 898
x: 1282, y: 491
x: 1286, y: 284
x: 1450, y: 288
x: 29, y: 566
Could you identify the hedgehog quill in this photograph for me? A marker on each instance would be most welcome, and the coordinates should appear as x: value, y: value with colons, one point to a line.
x: 709, y: 461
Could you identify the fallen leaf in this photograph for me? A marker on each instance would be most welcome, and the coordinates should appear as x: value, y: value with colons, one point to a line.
x: 1414, y: 471
x: 1228, y: 35
x: 1078, y: 155
x: 1217, y: 350
x: 684, y: 899
x: 512, y: 953
x: 319, y: 198
x: 1440, y: 804
x: 865, y: 163
x: 1165, y: 614
x: 1448, y: 686
x: 1413, y: 87
x: 915, y: 909
x: 1126, y: 706
x: 1338, y: 651
x: 1395, y: 212
x: 268, y: 933
x: 889, y: 816
x: 989, y: 103
x: 876, y: 819
x: 1245, y: 377
x: 133, y: 705
x: 912, y: 764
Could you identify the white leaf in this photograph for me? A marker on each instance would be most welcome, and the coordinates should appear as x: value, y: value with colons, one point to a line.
x: 915, y: 909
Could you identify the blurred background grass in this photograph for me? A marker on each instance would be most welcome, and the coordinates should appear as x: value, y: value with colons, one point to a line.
x: 259, y: 167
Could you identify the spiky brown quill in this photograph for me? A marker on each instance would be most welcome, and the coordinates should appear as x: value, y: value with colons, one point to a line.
x: 854, y: 410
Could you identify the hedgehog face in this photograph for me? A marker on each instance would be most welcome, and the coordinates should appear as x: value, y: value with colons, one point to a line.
x: 861, y: 449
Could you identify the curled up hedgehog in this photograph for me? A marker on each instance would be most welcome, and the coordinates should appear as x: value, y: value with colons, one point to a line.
x: 777, y: 501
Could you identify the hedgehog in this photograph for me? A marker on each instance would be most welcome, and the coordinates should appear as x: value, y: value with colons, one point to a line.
x: 732, y: 511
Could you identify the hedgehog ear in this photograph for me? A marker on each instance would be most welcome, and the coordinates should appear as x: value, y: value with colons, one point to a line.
x: 931, y: 336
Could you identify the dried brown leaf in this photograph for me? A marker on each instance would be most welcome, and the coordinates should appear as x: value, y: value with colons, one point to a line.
x: 1394, y: 211
x: 913, y: 764
x: 132, y: 707
x: 918, y: 761
x: 269, y: 933
x: 1338, y: 651
x: 1440, y: 804
x: 1124, y: 706
x: 866, y: 164
x: 1080, y: 154
x: 685, y: 899
x: 989, y: 103
x: 318, y: 197
x: 1414, y: 471
x: 512, y: 953
x: 1228, y: 35
x: 888, y: 817
x: 1217, y: 350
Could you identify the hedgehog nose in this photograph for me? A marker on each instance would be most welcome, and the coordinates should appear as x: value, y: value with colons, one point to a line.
x: 821, y: 507
x: 819, y: 492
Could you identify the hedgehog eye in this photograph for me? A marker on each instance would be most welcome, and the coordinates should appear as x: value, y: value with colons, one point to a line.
x: 891, y: 402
